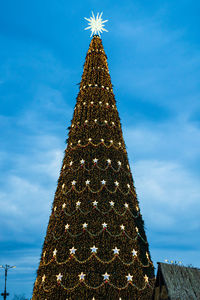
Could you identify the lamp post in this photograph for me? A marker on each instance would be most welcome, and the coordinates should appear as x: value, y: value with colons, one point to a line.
x: 6, y: 268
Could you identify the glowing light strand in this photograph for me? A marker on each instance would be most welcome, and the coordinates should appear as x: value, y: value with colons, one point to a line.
x: 85, y: 213
x: 54, y: 259
x: 99, y: 190
x: 97, y: 166
x: 99, y: 233
x: 99, y: 286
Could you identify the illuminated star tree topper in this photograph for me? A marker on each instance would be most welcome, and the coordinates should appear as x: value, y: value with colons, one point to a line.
x: 96, y: 24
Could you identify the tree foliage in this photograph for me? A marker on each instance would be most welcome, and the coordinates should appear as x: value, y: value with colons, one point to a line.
x: 95, y: 204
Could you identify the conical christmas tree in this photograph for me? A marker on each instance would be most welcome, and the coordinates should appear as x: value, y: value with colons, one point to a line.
x: 95, y: 246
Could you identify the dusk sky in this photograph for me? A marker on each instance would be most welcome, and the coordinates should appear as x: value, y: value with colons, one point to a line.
x: 153, y: 50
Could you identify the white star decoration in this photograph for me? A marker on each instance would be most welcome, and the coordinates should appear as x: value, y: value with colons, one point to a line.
x: 134, y: 252
x: 116, y: 183
x: 108, y: 161
x: 115, y: 250
x: 73, y: 182
x: 104, y: 225
x: 87, y: 182
x: 54, y: 252
x: 106, y: 276
x: 64, y: 205
x: 96, y: 25
x: 82, y: 161
x: 146, y: 278
x: 112, y: 203
x: 43, y: 278
x: 119, y: 163
x: 103, y: 181
x: 95, y: 160
x: 72, y: 250
x: 126, y: 205
x: 94, y: 249
x: 95, y: 203
x: 85, y: 225
x: 59, y: 277
x: 122, y: 227
x: 78, y: 203
x: 81, y: 276
x: 129, y: 277
x: 67, y: 226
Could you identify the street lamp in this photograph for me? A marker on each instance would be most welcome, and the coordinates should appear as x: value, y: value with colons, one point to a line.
x: 6, y: 268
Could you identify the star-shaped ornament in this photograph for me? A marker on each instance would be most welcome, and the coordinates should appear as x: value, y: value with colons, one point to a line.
x: 72, y: 250
x: 85, y: 225
x: 146, y: 278
x: 78, y: 203
x: 129, y: 277
x: 128, y: 185
x: 94, y: 249
x: 116, y: 183
x: 96, y: 25
x: 95, y: 160
x: 106, y: 276
x: 119, y: 162
x: 109, y: 161
x: 115, y: 250
x: 136, y: 229
x: 112, y: 203
x: 73, y: 182
x: 43, y: 278
x: 64, y: 205
x: 63, y: 186
x: 102, y: 140
x: 67, y: 226
x: 87, y: 182
x: 82, y: 161
x: 54, y: 252
x: 59, y: 277
x: 122, y: 227
x: 111, y: 141
x: 134, y: 252
x: 81, y: 276
x: 95, y: 203
x: 103, y: 182
x: 104, y: 225
x: 126, y: 205
x: 71, y: 162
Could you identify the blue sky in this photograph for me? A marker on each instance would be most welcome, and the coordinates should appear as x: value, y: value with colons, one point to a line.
x: 153, y: 50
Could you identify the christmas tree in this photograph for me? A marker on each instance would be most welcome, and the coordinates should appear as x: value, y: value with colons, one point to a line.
x: 95, y: 246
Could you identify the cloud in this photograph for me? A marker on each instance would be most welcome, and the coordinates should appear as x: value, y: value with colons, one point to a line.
x: 157, y: 65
